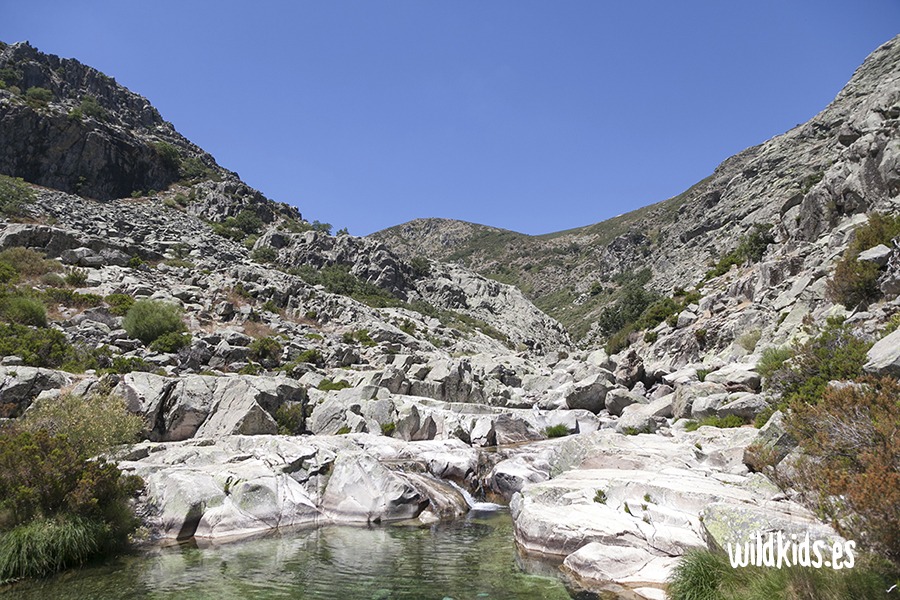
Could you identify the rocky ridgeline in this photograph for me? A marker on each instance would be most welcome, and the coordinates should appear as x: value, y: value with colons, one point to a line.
x: 442, y: 381
x: 812, y: 184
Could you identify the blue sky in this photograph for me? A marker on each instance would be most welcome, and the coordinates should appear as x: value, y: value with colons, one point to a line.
x: 533, y: 116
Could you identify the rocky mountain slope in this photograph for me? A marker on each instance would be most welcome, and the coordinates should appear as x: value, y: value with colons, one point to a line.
x: 805, y: 183
x: 315, y: 378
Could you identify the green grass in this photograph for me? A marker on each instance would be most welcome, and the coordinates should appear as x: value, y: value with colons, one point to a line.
x: 555, y: 431
x: 714, y: 421
x: 327, y: 385
x: 45, y: 546
x: 705, y: 575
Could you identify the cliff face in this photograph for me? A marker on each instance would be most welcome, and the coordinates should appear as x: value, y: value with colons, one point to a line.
x: 804, y: 183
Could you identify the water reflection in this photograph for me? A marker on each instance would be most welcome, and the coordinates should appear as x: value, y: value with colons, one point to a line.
x: 473, y: 559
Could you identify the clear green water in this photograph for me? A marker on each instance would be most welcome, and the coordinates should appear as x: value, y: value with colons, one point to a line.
x: 470, y: 559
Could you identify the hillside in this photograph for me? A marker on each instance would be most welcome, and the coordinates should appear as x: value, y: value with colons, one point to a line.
x: 803, y: 183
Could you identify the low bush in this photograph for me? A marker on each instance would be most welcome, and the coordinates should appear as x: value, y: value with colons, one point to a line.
x: 94, y: 423
x: 327, y: 385
x: 29, y: 263
x: 36, y: 347
x: 707, y: 575
x: 266, y: 350
x: 714, y: 421
x: 70, y: 298
x: 291, y: 419
x: 147, y: 320
x: 312, y: 356
x: 59, y: 508
x: 15, y: 196
x: 76, y: 277
x: 750, y: 249
x: 38, y: 97
x: 265, y: 254
x: 23, y: 311
x: 555, y: 431
x: 835, y: 354
x: 169, y: 343
x: 119, y: 304
x: 850, y: 439
x: 388, y: 429
x: 856, y: 282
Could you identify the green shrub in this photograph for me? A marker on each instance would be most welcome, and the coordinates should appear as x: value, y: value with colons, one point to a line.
x: 834, y: 355
x: 23, y: 311
x: 15, y: 196
x: 36, y: 347
x: 343, y: 430
x: 128, y: 364
x: 291, y: 419
x: 94, y: 423
x: 328, y: 385
x: 51, y: 279
x: 168, y: 154
x: 171, y: 342
x: 701, y: 374
x: 361, y: 336
x: 856, y: 282
x: 388, y: 429
x: 29, y: 263
x: 265, y: 254
x: 193, y: 169
x: 707, y: 575
x: 600, y: 497
x: 146, y: 320
x: 135, y: 262
x: 90, y: 107
x: 46, y: 478
x: 38, y: 97
x: 772, y: 360
x: 749, y: 340
x: 311, y: 355
x: 337, y: 279
x: 119, y: 304
x: 650, y: 337
x: 555, y: 431
x: 750, y: 249
x: 8, y: 274
x: 421, y: 267
x: 53, y: 295
x: 266, y: 350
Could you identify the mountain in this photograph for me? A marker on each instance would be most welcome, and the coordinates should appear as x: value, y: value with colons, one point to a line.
x: 803, y: 184
x: 278, y: 375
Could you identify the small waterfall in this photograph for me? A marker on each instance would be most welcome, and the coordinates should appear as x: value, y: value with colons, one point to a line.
x: 474, y: 504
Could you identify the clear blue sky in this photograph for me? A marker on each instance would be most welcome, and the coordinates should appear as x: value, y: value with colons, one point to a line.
x: 533, y: 116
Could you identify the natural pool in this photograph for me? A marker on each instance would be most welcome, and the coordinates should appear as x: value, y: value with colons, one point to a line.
x: 470, y: 559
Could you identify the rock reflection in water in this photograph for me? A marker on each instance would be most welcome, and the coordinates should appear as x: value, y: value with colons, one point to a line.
x: 471, y: 558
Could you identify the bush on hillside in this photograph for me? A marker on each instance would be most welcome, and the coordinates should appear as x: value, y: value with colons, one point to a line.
x: 835, y: 354
x: 36, y: 347
x: 856, y: 282
x: 169, y: 343
x: 853, y: 459
x: 29, y: 263
x: 23, y: 311
x: 149, y: 319
x: 94, y: 423
x: 15, y: 196
x: 58, y: 507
